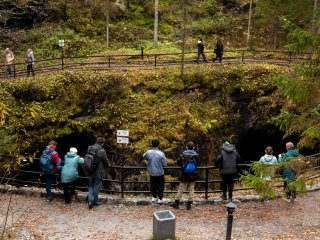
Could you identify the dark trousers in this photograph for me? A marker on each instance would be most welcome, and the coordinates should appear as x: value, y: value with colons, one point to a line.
x: 218, y: 57
x: 227, y: 184
x: 30, y: 69
x: 48, y: 178
x: 200, y: 53
x: 9, y: 70
x: 69, y: 189
x: 290, y: 192
x: 157, y: 186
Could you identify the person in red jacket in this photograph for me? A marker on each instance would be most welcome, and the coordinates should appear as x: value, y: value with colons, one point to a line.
x: 55, y: 162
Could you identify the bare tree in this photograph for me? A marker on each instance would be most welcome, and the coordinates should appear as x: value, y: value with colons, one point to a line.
x: 156, y: 21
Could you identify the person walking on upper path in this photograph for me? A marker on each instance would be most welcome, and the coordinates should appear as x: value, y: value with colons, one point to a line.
x: 49, y: 164
x: 227, y: 162
x: 30, y: 62
x: 9, y: 62
x: 200, y: 46
x: 100, y: 171
x: 156, y: 161
x: 218, y: 51
x: 268, y: 159
x: 69, y: 173
x: 188, y: 161
x: 288, y: 173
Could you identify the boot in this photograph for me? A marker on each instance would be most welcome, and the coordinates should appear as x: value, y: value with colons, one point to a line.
x: 176, y: 204
x: 189, y: 205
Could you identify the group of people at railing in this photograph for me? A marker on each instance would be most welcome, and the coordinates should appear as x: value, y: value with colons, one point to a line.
x: 10, y: 66
x: 96, y: 162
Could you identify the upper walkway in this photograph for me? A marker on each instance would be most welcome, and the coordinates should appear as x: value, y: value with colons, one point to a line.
x: 152, y: 60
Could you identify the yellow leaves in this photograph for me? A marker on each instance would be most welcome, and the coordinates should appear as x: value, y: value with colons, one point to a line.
x: 4, y: 113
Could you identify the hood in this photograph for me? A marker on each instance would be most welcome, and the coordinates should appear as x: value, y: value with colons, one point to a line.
x: 190, y: 153
x: 71, y: 154
x: 268, y: 158
x: 293, y: 152
x: 49, y: 150
x: 228, y: 148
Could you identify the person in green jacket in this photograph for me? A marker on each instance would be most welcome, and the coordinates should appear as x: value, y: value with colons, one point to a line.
x: 288, y: 173
x: 69, y: 173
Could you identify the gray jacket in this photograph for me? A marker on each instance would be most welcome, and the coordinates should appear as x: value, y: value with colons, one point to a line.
x: 228, y: 159
x: 101, y: 154
x: 156, y: 161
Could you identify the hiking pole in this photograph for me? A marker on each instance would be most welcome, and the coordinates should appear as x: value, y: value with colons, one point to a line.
x: 230, y: 210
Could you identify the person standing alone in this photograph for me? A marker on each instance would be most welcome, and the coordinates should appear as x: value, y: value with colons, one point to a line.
x: 9, y: 61
x: 156, y: 161
x: 227, y: 162
x: 30, y: 62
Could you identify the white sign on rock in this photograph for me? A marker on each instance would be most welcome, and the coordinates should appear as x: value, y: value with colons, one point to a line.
x: 124, y: 140
x: 122, y: 133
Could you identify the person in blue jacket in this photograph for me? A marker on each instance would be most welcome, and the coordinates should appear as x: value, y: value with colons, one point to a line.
x: 288, y: 173
x: 188, y: 177
x: 156, y: 161
x: 268, y: 159
x: 69, y: 173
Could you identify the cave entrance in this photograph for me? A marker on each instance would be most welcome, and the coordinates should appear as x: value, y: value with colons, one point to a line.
x: 252, y: 143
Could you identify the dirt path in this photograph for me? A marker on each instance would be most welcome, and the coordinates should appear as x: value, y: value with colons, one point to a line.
x: 39, y: 219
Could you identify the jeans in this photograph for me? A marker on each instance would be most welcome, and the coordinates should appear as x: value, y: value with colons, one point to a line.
x: 48, y: 184
x: 30, y: 69
x: 94, y: 189
x: 157, y: 186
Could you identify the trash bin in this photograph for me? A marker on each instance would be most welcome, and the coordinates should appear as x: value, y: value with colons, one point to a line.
x: 164, y: 225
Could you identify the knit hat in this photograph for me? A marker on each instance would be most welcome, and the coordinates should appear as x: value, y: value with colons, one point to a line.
x: 73, y: 149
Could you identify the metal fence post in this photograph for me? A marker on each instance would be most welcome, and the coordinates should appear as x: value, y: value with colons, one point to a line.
x: 242, y: 56
x: 109, y: 61
x: 207, y: 183
x: 155, y: 60
x: 14, y: 71
x: 230, y: 208
x: 62, y: 64
x: 122, y: 183
x: 142, y: 52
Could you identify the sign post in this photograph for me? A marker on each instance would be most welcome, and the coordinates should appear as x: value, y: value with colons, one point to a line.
x: 123, y: 136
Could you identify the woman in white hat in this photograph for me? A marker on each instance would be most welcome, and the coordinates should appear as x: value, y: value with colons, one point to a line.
x: 69, y: 173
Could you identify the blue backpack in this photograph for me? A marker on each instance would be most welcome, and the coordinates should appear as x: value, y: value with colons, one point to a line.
x: 45, y: 163
x: 189, y: 166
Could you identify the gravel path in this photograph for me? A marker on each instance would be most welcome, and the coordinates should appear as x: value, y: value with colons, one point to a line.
x: 35, y: 218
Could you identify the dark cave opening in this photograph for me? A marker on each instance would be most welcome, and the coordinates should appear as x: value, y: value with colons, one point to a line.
x: 252, y: 143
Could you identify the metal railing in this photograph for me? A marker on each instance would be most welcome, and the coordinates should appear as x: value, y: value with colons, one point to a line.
x: 150, y: 60
x: 118, y: 185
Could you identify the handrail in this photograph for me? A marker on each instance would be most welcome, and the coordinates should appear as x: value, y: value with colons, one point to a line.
x: 25, y: 178
x: 119, y: 61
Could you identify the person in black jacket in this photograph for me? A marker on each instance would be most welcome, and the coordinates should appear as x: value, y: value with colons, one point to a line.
x: 227, y: 161
x: 95, y: 178
x: 188, y: 174
x: 200, y: 46
x: 218, y: 50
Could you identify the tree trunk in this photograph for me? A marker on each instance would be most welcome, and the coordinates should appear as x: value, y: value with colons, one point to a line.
x: 183, y: 38
x: 249, y: 24
x: 156, y: 19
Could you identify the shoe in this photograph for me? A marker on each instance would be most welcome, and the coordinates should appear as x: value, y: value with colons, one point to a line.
x: 223, y: 197
x: 230, y: 200
x: 287, y: 200
x: 49, y: 198
x: 90, y: 205
x: 96, y: 204
x: 189, y: 205
x: 154, y: 199
x: 160, y: 201
x: 266, y: 201
x: 175, y: 204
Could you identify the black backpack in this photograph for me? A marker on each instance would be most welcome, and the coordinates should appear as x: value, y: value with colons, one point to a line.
x: 91, y: 162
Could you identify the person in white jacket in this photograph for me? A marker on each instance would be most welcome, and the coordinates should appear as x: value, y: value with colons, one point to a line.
x: 268, y: 159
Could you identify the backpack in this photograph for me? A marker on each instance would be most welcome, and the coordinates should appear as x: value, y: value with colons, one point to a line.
x: 45, y: 163
x: 91, y: 162
x: 189, y: 166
